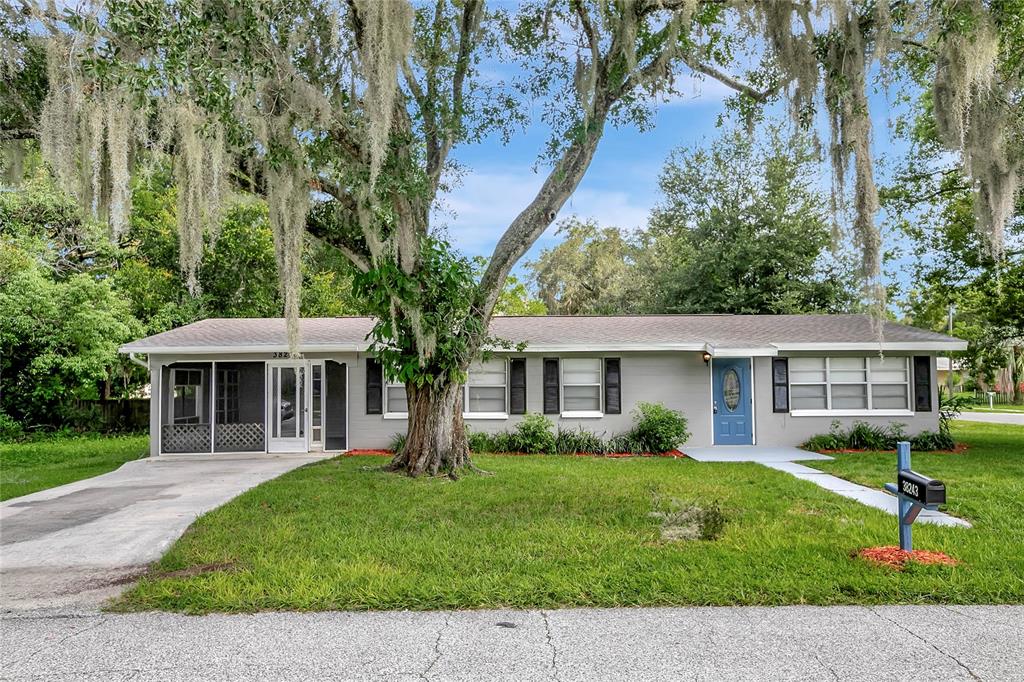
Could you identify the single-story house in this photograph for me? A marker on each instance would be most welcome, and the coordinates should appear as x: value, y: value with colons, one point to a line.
x: 230, y: 385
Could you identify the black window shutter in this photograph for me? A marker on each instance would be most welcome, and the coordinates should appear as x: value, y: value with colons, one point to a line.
x: 780, y: 384
x: 517, y: 385
x: 551, y: 389
x: 612, y: 386
x: 374, y: 387
x: 923, y: 383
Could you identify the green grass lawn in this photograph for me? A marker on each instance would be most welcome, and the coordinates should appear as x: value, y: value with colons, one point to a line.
x: 574, y: 531
x: 46, y: 463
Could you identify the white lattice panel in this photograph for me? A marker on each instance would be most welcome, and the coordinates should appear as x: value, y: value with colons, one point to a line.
x: 239, y: 437
x: 185, y: 438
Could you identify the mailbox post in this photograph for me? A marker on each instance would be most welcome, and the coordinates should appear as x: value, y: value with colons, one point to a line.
x: 914, y: 492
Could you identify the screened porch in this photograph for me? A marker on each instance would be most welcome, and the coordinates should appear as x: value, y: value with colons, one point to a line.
x: 213, y: 407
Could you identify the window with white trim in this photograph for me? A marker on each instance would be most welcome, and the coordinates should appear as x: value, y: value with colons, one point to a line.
x: 487, y: 388
x: 395, y: 399
x: 187, y: 395
x: 849, y: 384
x: 581, y: 385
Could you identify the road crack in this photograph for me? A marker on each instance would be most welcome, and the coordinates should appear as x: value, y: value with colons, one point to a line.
x: 933, y: 646
x: 551, y: 645
x: 830, y: 669
x: 437, y: 648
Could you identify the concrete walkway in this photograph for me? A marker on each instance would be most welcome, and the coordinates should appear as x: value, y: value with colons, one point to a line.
x: 79, y: 543
x: 752, y: 453
x: 785, y: 643
x: 879, y: 499
x: 993, y: 417
x: 785, y: 458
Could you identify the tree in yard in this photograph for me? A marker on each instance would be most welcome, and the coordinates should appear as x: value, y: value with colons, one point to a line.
x: 742, y: 228
x: 589, y: 273
x: 363, y: 101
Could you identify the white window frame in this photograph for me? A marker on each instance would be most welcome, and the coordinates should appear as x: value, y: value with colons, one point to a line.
x: 388, y: 412
x: 581, y: 414
x: 199, y: 395
x: 466, y: 414
x: 829, y: 411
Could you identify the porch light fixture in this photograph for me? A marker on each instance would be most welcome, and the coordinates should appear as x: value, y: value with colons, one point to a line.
x: 707, y: 357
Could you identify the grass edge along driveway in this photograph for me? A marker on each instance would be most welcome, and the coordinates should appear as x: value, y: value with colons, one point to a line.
x: 550, y: 531
x: 49, y: 462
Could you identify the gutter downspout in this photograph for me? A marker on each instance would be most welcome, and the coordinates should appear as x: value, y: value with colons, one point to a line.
x: 140, y: 363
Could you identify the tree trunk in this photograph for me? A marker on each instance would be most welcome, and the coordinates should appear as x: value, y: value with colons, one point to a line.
x: 436, y: 439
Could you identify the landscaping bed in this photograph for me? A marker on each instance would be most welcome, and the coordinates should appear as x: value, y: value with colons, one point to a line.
x: 555, y: 531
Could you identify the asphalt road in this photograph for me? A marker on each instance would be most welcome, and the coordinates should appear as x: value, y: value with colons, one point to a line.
x: 993, y: 417
x: 784, y: 643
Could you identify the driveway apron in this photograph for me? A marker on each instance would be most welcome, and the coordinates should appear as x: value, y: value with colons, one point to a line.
x: 80, y: 543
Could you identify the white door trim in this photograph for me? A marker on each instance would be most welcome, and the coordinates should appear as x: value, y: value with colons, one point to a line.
x: 295, y: 444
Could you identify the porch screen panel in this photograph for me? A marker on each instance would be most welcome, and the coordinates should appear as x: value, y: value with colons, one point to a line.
x: 240, y: 407
x: 185, y: 414
x: 335, y: 407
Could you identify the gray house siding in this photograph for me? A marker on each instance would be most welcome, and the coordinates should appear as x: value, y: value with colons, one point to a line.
x: 782, y: 428
x: 679, y: 380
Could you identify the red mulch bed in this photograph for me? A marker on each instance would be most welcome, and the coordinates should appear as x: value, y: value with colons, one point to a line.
x: 675, y: 454
x: 898, y: 558
x: 959, y: 449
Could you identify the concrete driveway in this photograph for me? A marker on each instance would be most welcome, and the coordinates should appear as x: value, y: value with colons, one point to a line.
x: 993, y: 417
x: 78, y: 544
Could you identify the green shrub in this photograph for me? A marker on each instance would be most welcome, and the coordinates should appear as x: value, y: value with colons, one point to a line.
x: 398, y: 442
x: 534, y: 435
x: 657, y: 429
x: 950, y: 407
x: 626, y: 443
x: 480, y: 441
x: 10, y: 429
x: 572, y: 441
x: 929, y: 440
x: 864, y: 436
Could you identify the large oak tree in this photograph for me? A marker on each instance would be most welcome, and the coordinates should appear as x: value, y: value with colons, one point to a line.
x: 344, y: 114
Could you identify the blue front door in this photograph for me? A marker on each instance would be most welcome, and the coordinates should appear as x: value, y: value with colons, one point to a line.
x: 732, y: 405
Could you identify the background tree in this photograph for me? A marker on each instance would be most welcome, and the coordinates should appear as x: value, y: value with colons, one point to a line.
x: 365, y: 101
x: 590, y: 272
x: 69, y: 296
x: 743, y: 228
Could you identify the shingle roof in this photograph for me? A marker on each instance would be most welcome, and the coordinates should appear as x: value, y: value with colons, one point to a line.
x: 682, y: 332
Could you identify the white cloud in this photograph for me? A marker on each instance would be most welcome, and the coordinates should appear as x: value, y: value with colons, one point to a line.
x: 695, y: 90
x: 488, y: 201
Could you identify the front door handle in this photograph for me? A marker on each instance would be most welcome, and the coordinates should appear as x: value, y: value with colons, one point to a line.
x: 716, y: 407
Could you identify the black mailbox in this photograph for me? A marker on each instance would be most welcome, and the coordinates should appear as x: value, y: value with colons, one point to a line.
x: 920, y: 488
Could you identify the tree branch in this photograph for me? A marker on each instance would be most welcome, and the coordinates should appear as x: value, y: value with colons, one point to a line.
x: 728, y: 80
x: 8, y: 134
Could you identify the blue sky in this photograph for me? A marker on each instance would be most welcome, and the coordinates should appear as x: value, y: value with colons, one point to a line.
x: 620, y: 187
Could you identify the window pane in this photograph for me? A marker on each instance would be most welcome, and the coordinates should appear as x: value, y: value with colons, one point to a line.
x: 490, y: 373
x: 889, y: 396
x: 810, y: 397
x: 803, y: 370
x: 486, y: 399
x: 397, y: 400
x: 888, y: 370
x: 581, y: 371
x: 581, y: 398
x: 847, y: 370
x: 849, y: 396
